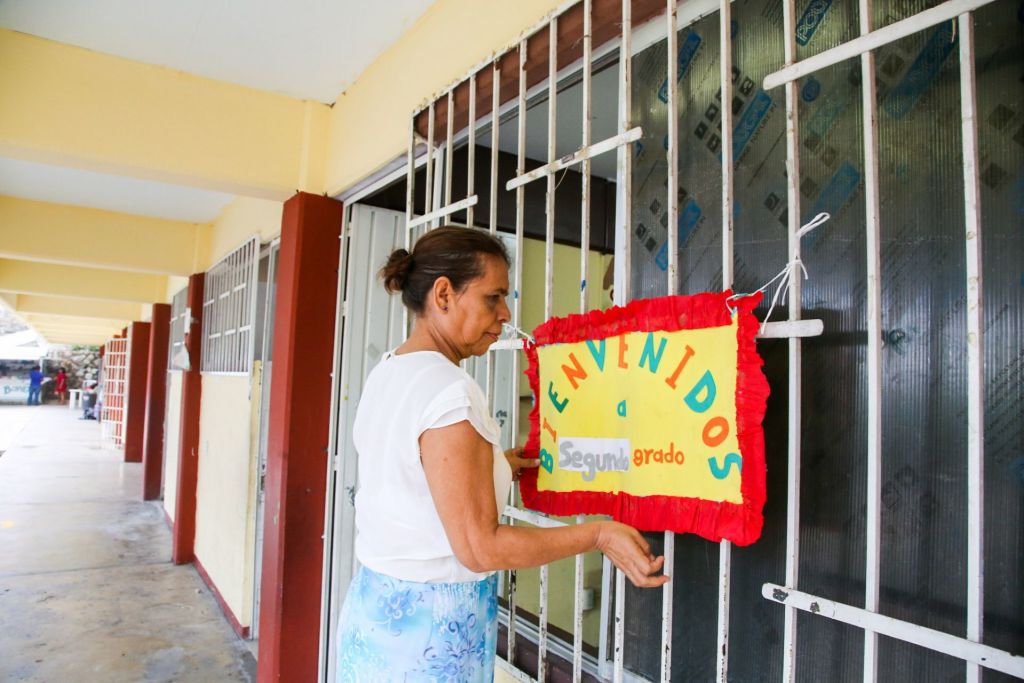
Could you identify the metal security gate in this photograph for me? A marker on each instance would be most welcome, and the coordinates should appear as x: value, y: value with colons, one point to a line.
x: 115, y: 391
x: 876, y: 433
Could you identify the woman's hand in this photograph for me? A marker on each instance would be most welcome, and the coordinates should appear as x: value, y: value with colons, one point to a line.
x: 517, y: 462
x: 629, y: 551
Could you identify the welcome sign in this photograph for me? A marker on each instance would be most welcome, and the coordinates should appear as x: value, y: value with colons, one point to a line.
x: 651, y: 413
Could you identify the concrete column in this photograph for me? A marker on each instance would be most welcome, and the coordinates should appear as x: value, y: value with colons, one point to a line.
x: 156, y: 402
x: 135, y: 402
x: 184, y: 532
x: 298, y: 430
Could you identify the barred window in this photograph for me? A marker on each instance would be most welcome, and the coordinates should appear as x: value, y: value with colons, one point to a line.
x: 176, y: 340
x: 229, y: 304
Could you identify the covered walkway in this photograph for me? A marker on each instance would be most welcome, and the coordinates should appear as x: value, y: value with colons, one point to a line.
x: 87, y: 588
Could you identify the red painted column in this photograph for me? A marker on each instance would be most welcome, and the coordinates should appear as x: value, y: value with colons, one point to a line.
x: 156, y: 402
x: 296, y: 481
x: 184, y: 532
x: 135, y: 403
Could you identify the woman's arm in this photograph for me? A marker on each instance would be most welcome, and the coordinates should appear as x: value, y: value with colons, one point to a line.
x: 458, y: 464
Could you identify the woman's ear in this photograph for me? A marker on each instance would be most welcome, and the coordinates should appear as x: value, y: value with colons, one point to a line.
x: 443, y: 293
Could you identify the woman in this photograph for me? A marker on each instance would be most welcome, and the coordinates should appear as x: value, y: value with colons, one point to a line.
x: 60, y: 386
x: 433, y: 478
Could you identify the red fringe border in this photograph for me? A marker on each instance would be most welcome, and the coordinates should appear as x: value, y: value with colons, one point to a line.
x: 739, y: 523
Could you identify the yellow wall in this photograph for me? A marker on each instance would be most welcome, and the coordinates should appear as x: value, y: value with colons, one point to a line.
x: 239, y: 221
x: 80, y: 236
x: 172, y: 434
x: 225, y: 501
x: 70, y: 106
x: 369, y: 123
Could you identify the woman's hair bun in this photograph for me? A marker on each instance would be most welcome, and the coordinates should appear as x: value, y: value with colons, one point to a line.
x: 395, y: 272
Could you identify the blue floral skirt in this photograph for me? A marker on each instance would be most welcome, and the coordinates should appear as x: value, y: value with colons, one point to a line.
x: 393, y: 630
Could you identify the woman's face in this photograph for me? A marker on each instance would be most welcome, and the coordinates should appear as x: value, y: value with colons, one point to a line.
x: 475, y: 315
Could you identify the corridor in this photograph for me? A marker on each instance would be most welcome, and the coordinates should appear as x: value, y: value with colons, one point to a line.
x: 87, y: 589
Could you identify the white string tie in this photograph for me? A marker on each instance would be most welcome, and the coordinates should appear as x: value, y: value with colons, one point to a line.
x: 515, y: 332
x: 785, y: 276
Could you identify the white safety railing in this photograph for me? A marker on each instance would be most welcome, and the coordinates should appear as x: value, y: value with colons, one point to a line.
x: 229, y: 309
x: 439, y: 159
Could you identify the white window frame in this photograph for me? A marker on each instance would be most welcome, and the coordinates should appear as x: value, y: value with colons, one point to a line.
x: 176, y: 337
x: 229, y: 311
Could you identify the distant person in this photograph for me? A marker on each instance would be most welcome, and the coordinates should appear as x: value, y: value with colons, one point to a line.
x: 35, y: 385
x: 60, y: 387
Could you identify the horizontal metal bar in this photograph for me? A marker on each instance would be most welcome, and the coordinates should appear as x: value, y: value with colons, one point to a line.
x: 444, y: 211
x: 507, y: 345
x: 872, y: 41
x: 576, y: 157
x: 532, y: 518
x: 946, y: 643
x: 788, y: 329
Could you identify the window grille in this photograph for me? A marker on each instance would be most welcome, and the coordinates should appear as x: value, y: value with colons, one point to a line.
x: 115, y: 391
x: 229, y: 308
x: 176, y: 338
x: 784, y: 608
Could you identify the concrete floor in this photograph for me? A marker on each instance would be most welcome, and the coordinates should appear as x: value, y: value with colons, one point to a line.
x: 87, y: 590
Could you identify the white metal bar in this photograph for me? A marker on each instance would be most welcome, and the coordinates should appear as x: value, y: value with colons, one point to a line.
x: 585, y: 142
x: 517, y: 305
x: 975, y: 346
x: 429, y: 197
x: 946, y: 643
x: 587, y: 87
x: 624, y: 138
x: 793, y: 409
x: 786, y: 329
x: 626, y: 232
x: 671, y: 287
x: 725, y: 78
x: 448, y: 151
x: 672, y: 154
x: 872, y: 41
x: 872, y: 227
x: 444, y: 211
x: 620, y: 625
x: 410, y: 209
x: 549, y: 205
x: 492, y: 222
x: 549, y: 258
x: 534, y: 518
x: 471, y: 149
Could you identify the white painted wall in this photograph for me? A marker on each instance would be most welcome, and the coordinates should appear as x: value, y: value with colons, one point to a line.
x: 172, y: 435
x: 225, y: 500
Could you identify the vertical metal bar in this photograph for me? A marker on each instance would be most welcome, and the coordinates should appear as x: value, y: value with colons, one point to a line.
x: 549, y: 258
x: 671, y: 287
x: 410, y: 208
x: 975, y: 345
x: 517, y: 307
x: 449, y: 137
x: 429, y: 198
x: 492, y: 222
x: 471, y: 150
x: 623, y: 254
x: 577, y: 605
x: 793, y: 410
x: 725, y: 76
x: 620, y: 625
x: 623, y: 289
x: 492, y: 209
x: 585, y: 166
x: 549, y: 205
x: 672, y: 154
x: 872, y: 225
